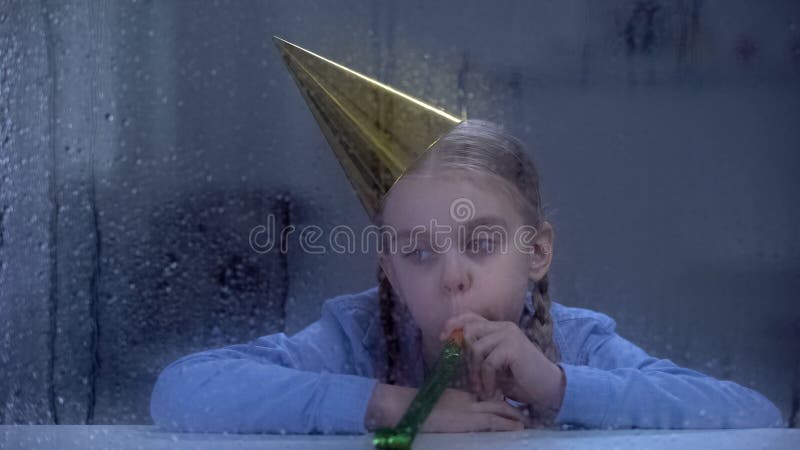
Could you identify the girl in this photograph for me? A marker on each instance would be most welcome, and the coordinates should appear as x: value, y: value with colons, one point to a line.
x: 531, y: 362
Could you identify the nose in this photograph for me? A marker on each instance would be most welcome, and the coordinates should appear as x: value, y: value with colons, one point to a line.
x: 457, y: 276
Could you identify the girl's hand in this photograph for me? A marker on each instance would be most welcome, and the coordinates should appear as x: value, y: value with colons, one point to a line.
x: 456, y: 411
x: 501, y: 360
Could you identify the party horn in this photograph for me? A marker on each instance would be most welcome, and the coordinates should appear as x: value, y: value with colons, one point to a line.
x: 446, y: 367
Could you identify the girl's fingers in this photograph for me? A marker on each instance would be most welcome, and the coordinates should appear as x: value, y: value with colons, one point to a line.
x: 495, y: 363
x: 482, y: 347
x: 478, y: 352
x: 499, y: 407
x: 491, y: 422
x: 488, y: 378
x: 472, y: 379
x: 474, y: 331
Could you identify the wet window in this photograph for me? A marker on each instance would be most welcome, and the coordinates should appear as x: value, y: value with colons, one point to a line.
x: 169, y: 187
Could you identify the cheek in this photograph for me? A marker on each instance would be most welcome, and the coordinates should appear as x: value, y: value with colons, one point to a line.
x: 421, y: 294
x: 414, y: 280
x: 502, y: 285
x: 503, y: 271
x: 429, y: 319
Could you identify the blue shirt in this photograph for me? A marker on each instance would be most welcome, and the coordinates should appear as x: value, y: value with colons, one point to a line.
x: 320, y: 379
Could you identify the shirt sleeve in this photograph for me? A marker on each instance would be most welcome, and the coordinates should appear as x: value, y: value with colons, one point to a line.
x: 621, y: 386
x: 306, y: 383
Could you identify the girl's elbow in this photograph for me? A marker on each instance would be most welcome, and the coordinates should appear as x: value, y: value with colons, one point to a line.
x: 171, y: 402
x: 773, y: 418
x: 175, y: 401
x: 757, y: 412
x: 768, y: 416
x: 764, y: 413
x: 164, y: 402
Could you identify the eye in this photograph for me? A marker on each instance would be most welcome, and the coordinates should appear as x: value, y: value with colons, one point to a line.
x: 482, y: 245
x: 419, y: 255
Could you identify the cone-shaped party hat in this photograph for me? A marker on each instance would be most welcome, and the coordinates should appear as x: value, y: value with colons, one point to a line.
x: 375, y: 131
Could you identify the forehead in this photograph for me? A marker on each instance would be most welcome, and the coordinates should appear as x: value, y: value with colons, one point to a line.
x: 417, y: 199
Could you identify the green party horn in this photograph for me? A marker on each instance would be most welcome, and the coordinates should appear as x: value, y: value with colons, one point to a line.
x: 402, y: 435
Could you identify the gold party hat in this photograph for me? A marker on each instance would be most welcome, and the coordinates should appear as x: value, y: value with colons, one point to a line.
x: 375, y: 131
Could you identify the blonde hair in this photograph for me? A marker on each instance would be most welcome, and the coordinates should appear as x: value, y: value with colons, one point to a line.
x: 485, y: 148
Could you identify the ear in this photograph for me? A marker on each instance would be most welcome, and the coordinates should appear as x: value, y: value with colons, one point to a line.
x: 543, y: 253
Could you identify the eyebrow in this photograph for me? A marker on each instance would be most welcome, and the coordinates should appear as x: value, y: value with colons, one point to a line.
x: 490, y: 220
x: 406, y: 234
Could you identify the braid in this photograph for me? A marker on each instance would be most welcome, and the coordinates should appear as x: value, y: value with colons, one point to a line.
x: 540, y: 329
x: 386, y: 303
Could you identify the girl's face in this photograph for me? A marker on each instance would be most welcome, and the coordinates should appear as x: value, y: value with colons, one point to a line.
x: 456, y: 250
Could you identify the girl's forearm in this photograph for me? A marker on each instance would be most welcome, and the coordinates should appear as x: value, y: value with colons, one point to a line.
x: 387, y: 405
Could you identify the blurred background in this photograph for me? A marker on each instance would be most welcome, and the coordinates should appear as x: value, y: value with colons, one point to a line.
x: 141, y: 141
